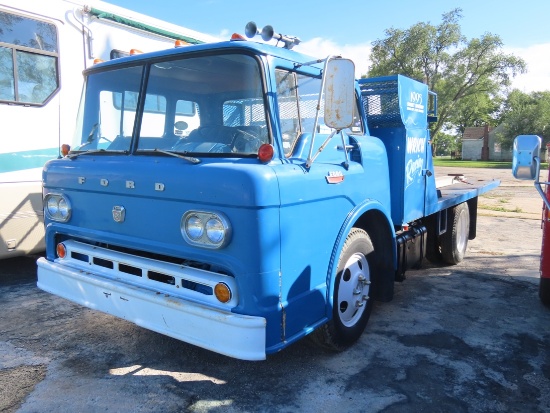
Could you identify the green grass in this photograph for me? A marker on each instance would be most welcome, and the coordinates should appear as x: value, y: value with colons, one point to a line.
x: 500, y: 209
x: 477, y: 164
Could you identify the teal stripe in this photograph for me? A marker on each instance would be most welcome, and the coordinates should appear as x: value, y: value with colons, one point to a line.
x: 18, y: 161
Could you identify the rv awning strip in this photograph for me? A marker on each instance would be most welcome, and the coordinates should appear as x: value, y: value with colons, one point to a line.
x: 142, y: 26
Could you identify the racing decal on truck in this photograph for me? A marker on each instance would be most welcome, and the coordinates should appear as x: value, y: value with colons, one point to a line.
x: 415, y: 103
x: 415, y: 145
x: 413, y: 170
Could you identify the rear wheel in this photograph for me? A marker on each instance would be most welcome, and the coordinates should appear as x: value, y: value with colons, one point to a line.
x: 352, y: 305
x: 455, y: 240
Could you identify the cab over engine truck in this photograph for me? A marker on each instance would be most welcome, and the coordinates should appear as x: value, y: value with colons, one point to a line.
x: 297, y: 197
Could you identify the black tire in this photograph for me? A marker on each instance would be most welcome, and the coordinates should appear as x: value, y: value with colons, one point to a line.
x: 455, y: 240
x: 352, y: 304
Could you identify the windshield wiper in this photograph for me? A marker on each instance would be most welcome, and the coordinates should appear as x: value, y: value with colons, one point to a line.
x: 175, y: 154
x: 97, y: 151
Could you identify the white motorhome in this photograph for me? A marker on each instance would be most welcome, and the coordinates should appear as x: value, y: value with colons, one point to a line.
x: 44, y: 47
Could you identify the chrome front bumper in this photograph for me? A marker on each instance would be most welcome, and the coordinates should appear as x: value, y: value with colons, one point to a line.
x: 163, y: 309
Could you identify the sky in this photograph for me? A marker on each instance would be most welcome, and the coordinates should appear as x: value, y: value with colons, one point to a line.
x: 348, y: 27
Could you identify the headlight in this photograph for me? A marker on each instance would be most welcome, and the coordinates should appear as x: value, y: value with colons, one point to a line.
x: 215, y: 230
x: 57, y: 207
x: 205, y: 229
x: 194, y: 227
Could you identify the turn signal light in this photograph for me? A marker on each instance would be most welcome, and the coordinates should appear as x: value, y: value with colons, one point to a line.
x: 61, y: 250
x: 222, y: 292
x: 265, y: 153
x: 135, y: 51
x: 98, y: 60
x: 180, y: 43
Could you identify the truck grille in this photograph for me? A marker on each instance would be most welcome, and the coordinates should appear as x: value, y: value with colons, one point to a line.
x: 164, y: 277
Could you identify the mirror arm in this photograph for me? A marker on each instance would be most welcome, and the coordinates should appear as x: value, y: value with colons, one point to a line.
x: 538, y: 184
x: 310, y: 160
x: 318, y: 109
x: 346, y: 164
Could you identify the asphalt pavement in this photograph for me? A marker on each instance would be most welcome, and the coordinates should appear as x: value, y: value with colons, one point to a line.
x: 467, y: 338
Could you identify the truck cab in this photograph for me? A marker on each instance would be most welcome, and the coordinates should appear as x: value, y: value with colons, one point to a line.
x: 210, y: 195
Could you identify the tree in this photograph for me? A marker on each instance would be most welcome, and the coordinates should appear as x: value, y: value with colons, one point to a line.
x: 447, y: 144
x: 452, y: 66
x: 525, y: 114
x: 475, y: 110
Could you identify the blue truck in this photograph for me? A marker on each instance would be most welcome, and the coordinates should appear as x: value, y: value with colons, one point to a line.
x: 240, y: 196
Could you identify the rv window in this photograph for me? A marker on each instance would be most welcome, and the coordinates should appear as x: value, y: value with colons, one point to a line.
x: 115, y: 54
x: 28, y: 60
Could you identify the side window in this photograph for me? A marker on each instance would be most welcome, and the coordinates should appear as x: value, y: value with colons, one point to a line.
x: 28, y: 60
x: 287, y: 99
x: 297, y: 97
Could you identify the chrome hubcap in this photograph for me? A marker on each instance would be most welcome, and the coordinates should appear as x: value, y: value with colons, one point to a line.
x: 353, y: 291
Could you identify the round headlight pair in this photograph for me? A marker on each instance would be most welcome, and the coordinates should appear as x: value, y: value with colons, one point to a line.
x: 206, y: 229
x: 57, y: 207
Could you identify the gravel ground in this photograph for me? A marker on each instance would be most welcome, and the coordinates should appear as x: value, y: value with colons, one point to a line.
x: 467, y: 338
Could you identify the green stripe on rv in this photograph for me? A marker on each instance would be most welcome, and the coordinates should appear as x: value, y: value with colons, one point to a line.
x: 18, y: 161
x: 142, y: 26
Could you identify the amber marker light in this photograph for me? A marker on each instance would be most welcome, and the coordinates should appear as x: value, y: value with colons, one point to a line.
x: 135, y: 51
x: 96, y: 61
x: 61, y: 250
x: 265, y: 152
x: 180, y: 43
x: 222, y: 292
x: 237, y: 37
x: 65, y: 149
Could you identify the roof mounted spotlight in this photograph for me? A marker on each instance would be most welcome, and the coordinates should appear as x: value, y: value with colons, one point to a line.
x: 268, y: 33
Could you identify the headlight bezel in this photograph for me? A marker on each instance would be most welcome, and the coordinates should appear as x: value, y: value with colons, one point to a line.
x: 57, y: 207
x: 208, y: 236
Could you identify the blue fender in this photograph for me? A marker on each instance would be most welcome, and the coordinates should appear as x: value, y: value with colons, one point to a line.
x: 354, y: 219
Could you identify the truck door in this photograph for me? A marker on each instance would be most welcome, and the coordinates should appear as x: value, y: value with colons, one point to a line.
x: 314, y: 201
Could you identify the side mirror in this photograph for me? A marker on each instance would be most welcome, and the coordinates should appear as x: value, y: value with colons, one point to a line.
x: 526, y: 157
x: 339, y: 93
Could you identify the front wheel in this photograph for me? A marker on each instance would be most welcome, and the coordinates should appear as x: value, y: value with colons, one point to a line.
x: 352, y: 304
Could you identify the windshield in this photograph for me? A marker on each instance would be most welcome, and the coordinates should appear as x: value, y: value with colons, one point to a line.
x: 200, y: 105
